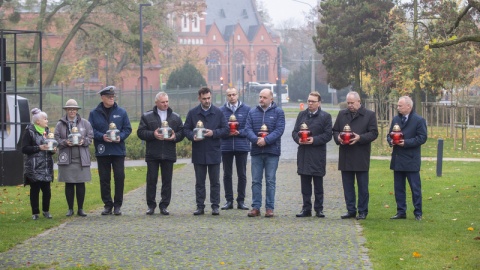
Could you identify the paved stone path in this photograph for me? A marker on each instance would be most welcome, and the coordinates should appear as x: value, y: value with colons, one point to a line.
x: 229, y: 241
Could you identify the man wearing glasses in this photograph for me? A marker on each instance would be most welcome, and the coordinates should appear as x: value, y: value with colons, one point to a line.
x: 354, y: 154
x: 312, y: 153
x: 237, y: 146
x: 110, y: 153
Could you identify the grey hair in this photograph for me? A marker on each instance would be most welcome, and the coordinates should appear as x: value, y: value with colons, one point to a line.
x: 354, y: 94
x: 37, y: 114
x: 408, y: 101
x: 160, y: 94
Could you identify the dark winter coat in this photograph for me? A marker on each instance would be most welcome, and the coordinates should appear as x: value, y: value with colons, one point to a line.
x: 408, y: 157
x: 157, y: 149
x: 312, y: 158
x: 61, y: 136
x: 38, y: 164
x: 206, y: 151
x: 356, y: 157
x: 274, y: 119
x: 238, y: 143
x: 100, y: 122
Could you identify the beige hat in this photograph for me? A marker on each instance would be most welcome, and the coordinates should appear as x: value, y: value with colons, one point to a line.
x: 71, y: 104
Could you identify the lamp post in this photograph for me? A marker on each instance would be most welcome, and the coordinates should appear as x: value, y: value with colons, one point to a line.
x: 312, y: 79
x: 141, y: 55
x: 106, y: 69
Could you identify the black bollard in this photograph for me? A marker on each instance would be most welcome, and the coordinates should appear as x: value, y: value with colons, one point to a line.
x: 439, y: 157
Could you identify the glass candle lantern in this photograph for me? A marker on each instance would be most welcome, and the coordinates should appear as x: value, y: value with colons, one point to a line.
x: 165, y: 130
x: 75, y: 136
x: 304, y: 133
x: 199, y: 131
x: 232, y: 124
x: 263, y: 131
x: 346, y: 134
x: 396, y: 135
x: 113, y: 132
x: 51, y: 142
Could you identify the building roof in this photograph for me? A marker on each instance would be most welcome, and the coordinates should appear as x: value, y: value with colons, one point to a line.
x: 227, y: 13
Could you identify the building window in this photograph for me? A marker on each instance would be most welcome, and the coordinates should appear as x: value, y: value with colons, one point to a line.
x: 185, y: 23
x: 214, y: 37
x: 263, y: 60
x: 214, y: 65
x: 195, y: 23
x: 238, y: 37
x: 238, y: 62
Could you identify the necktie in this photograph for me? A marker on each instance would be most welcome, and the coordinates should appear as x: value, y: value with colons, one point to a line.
x: 404, y: 119
x: 234, y: 108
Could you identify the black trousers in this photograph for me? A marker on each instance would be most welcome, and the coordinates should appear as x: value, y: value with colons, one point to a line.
x: 241, y: 164
x: 70, y: 189
x: 348, y: 180
x: 200, y: 191
x: 306, y: 184
x: 105, y: 165
x: 35, y: 188
x: 166, y: 167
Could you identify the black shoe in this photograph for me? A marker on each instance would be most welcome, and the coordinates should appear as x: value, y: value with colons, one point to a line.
x: 69, y: 213
x: 81, y: 213
x: 199, y: 211
x: 227, y: 205
x: 215, y: 211
x: 418, y: 218
x: 319, y: 214
x: 348, y: 215
x: 117, y: 211
x: 242, y: 206
x: 399, y: 216
x: 150, y: 211
x: 35, y: 217
x: 361, y: 216
x: 164, y: 211
x: 107, y: 211
x: 305, y: 213
x: 47, y: 214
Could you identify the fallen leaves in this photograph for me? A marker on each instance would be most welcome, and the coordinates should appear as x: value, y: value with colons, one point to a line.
x: 470, y: 229
x: 416, y: 254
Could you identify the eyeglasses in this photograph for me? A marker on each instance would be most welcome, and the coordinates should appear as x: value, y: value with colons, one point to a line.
x: 312, y: 101
x: 109, y: 96
x: 72, y: 110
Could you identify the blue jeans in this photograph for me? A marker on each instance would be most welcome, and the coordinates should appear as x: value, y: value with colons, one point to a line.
x: 269, y: 163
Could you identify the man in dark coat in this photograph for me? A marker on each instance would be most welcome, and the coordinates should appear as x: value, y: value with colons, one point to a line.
x: 312, y: 153
x: 406, y: 157
x: 161, y: 150
x: 354, y: 155
x: 237, y: 146
x: 206, y: 153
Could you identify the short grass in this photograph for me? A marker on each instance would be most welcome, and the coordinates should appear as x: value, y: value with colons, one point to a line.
x: 15, y: 212
x: 449, y: 234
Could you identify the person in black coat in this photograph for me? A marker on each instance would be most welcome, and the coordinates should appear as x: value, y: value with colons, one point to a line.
x: 206, y: 151
x: 161, y: 150
x: 354, y: 155
x: 312, y: 154
x: 406, y: 157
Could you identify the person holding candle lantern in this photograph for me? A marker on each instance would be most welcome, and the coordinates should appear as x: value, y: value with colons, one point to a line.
x: 162, y: 129
x: 406, y: 157
x: 74, y: 135
x: 205, y: 125
x: 110, y: 152
x: 265, y: 126
x: 360, y: 125
x: 237, y: 146
x: 38, y: 163
x: 316, y: 125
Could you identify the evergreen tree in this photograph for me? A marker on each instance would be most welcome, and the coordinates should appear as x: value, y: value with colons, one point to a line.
x: 186, y: 76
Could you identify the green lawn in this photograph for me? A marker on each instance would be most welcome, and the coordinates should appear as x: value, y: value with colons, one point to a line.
x: 449, y: 234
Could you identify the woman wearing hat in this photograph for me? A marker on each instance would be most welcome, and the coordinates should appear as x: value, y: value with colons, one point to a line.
x: 74, y: 135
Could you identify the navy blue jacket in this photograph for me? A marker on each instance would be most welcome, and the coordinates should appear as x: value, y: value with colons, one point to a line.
x: 408, y: 157
x: 274, y: 118
x: 99, y: 121
x: 206, y: 151
x: 238, y: 143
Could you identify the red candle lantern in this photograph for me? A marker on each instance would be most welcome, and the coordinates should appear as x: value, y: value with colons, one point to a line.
x: 263, y: 131
x: 304, y: 133
x: 233, y: 124
x: 346, y: 134
x: 396, y: 135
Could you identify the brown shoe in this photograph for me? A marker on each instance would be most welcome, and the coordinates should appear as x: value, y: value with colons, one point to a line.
x: 253, y: 213
x: 269, y: 213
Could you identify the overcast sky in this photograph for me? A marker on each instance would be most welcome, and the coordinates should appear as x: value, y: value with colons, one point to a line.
x: 282, y: 10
